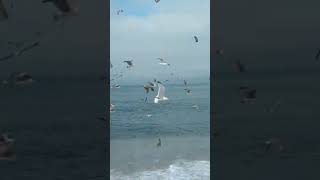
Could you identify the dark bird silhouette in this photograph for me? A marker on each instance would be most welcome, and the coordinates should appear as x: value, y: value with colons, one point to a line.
x: 62, y: 5
x: 11, y: 55
x: 219, y: 52
x: 159, y: 143
x: 317, y: 55
x: 119, y: 11
x: 27, y: 48
x: 240, y: 66
x: 3, y: 12
x: 6, y: 147
x: 129, y: 63
x: 196, y: 39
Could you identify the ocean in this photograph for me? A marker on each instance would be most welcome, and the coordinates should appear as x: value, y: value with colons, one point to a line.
x: 136, y: 127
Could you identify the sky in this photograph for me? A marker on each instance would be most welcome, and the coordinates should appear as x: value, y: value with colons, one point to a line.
x: 76, y: 49
x: 147, y: 30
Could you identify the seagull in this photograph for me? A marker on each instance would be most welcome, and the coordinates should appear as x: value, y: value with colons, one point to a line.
x: 3, y: 12
x: 163, y: 62
x: 130, y: 64
x: 219, y: 52
x: 188, y: 90
x: 159, y: 143
x: 160, y: 96
x: 196, y: 38
x: 195, y: 106
x: 20, y: 52
x: 156, y: 1
x: 21, y: 78
x: 66, y: 8
x: 111, y: 108
x: 33, y: 45
x: 6, y: 147
x: 11, y: 55
x: 273, y: 141
x: 185, y: 82
x: 317, y: 55
x: 119, y: 11
x: 240, y: 67
x: 247, y: 93
x: 115, y: 86
x: 147, y: 88
x: 152, y: 84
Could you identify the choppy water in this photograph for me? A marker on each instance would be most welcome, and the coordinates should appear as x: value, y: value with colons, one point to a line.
x: 183, y: 130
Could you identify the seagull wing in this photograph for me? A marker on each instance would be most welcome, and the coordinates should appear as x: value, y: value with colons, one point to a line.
x: 161, y: 91
x: 7, y: 57
x: 196, y: 38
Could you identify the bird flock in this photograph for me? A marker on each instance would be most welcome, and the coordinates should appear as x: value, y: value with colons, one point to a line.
x: 248, y: 95
x: 150, y: 86
x: 64, y: 9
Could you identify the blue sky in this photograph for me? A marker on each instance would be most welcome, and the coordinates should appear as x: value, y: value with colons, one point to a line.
x: 147, y: 30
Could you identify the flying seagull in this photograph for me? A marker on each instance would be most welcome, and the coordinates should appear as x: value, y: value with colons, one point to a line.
x: 20, y: 52
x: 147, y: 88
x: 240, y: 66
x: 273, y: 141
x: 317, y: 55
x: 248, y: 94
x: 185, y: 82
x: 6, y: 147
x: 66, y: 8
x: 27, y: 48
x: 160, y: 96
x: 119, y: 11
x: 129, y: 63
x: 163, y: 62
x: 219, y: 52
x: 22, y: 78
x: 188, y: 91
x: 3, y: 12
x: 159, y: 143
x: 112, y: 108
x: 196, y: 39
x: 11, y: 55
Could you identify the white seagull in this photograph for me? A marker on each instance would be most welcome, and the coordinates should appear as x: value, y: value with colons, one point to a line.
x: 160, y: 96
x: 163, y: 62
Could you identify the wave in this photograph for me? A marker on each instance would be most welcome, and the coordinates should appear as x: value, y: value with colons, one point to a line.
x: 179, y: 170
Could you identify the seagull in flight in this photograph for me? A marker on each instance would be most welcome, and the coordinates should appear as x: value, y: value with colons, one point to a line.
x: 163, y: 62
x: 161, y: 91
x: 129, y: 63
x: 119, y: 11
x: 196, y: 39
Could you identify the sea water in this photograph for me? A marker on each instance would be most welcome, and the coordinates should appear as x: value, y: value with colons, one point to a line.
x: 137, y: 126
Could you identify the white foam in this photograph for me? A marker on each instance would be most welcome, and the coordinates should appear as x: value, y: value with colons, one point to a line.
x: 180, y: 170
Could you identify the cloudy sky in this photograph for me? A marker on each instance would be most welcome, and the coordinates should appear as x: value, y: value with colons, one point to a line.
x: 147, y: 30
